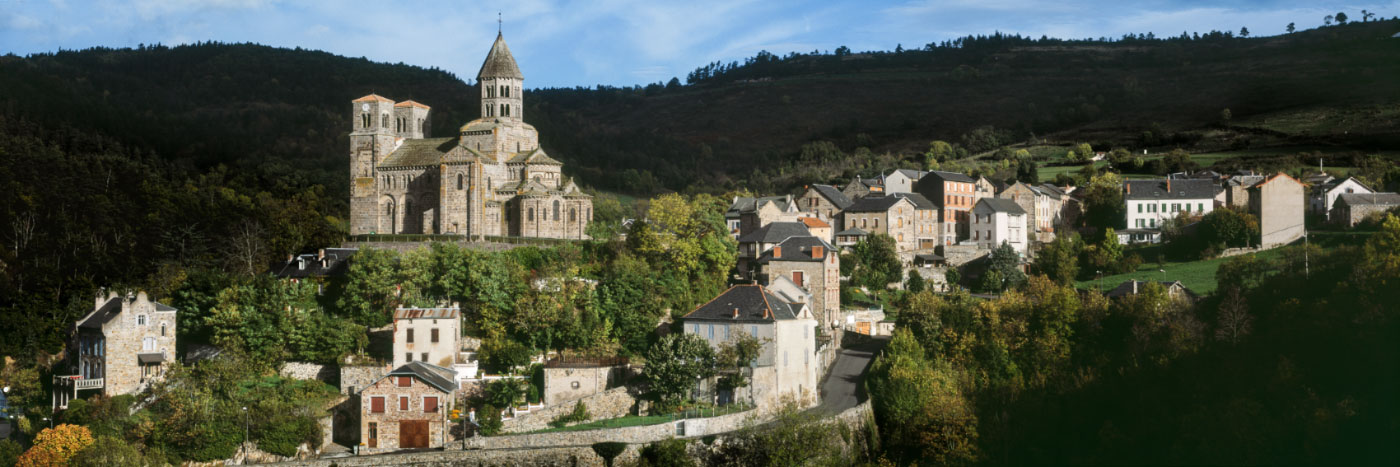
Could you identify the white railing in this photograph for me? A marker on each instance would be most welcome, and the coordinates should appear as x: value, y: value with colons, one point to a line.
x: 93, y: 383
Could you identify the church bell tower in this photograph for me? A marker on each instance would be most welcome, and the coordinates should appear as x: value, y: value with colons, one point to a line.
x: 501, y: 84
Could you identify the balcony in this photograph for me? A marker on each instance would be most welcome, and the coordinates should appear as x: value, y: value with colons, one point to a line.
x: 93, y: 383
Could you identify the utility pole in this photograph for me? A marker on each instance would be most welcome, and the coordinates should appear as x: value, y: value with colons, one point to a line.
x: 1307, y: 271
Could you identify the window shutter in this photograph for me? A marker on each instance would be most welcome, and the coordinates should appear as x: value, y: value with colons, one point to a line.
x: 405, y: 381
x: 430, y: 404
x: 410, y: 335
x: 403, y: 403
x: 376, y: 404
x: 435, y: 335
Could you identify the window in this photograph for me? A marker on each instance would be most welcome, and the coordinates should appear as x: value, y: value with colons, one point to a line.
x: 710, y: 331
x: 435, y: 335
x: 530, y: 214
x: 384, y: 121
x: 573, y: 214
x: 753, y: 331
x: 1188, y: 207
x: 556, y: 210
x: 148, y: 344
x: 785, y: 358
x: 797, y: 278
x: 696, y: 329
x: 425, y: 357
x: 1139, y: 209
x: 408, y: 357
x: 1176, y: 207
x: 1200, y: 207
x: 403, y: 403
x: 140, y: 320
x: 876, y: 222
x: 364, y: 120
x: 376, y: 405
x: 461, y: 179
x: 862, y: 223
x: 162, y: 329
x: 430, y: 404
x: 410, y: 336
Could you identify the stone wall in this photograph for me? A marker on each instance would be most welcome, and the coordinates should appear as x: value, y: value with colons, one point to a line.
x: 387, y: 423
x: 613, y: 403
x: 687, y: 428
x: 355, y: 378
x: 582, y: 456
x: 565, y: 383
x: 329, y: 374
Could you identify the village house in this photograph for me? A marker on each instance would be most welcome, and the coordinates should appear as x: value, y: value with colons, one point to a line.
x: 983, y: 189
x: 889, y: 215
x: 996, y: 221
x: 747, y: 214
x: 571, y: 378
x: 123, y: 344
x: 316, y: 267
x: 432, y: 335
x: 817, y: 227
x: 1043, y: 205
x: 850, y: 237
x: 812, y: 264
x: 1150, y: 203
x: 861, y: 187
x: 825, y: 202
x: 787, y: 365
x: 1237, y: 189
x: 1352, y: 208
x: 1279, y: 203
x: 954, y: 194
x: 902, y: 180
x: 925, y: 221
x: 754, y: 243
x: 407, y: 408
x: 1325, y: 196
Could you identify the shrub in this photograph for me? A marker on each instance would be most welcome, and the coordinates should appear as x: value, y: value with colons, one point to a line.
x: 579, y: 414
x: 9, y: 452
x: 282, y: 437
x: 609, y: 451
x: 56, y: 446
x: 109, y: 451
x: 489, y: 419
x: 668, y: 453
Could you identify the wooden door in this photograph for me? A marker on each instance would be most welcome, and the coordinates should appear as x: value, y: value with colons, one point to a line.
x: 413, y: 434
x: 863, y: 327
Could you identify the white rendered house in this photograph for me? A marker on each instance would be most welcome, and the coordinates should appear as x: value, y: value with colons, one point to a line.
x: 1151, y: 203
x: 996, y: 221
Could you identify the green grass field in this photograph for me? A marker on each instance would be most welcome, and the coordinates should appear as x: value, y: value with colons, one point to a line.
x: 1199, y: 276
x: 1049, y: 173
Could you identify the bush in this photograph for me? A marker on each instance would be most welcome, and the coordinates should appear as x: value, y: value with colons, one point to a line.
x: 489, y: 419
x: 579, y: 414
x: 282, y: 437
x: 609, y: 451
x: 108, y: 451
x: 9, y: 452
x: 56, y: 446
x: 668, y: 453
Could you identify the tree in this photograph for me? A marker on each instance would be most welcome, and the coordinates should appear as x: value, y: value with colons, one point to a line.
x: 1244, y: 32
x: 504, y: 354
x: 1291, y: 28
x: 56, y: 446
x: 675, y: 364
x: 921, y: 413
x: 915, y: 283
x: 108, y: 451
x: 1119, y: 157
x: 878, y: 263
x: 952, y: 276
x: 1341, y: 17
x: 1027, y: 171
x: 1234, y: 322
x: 735, y: 355
x: 1004, y: 271
x: 1229, y: 227
x: 371, y: 286
x: 1059, y: 259
x: 1103, y: 202
x: 1225, y: 115
x: 1243, y: 272
x: 1366, y: 16
x: 1327, y: 20
x: 938, y: 151
x: 10, y: 451
x: 666, y: 453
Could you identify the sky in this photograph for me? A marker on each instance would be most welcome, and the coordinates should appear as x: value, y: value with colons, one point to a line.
x: 566, y: 43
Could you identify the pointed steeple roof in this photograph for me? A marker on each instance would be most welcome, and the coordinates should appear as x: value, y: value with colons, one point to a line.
x: 499, y: 63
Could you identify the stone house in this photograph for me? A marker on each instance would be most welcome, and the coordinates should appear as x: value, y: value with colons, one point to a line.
x: 925, y: 221
x: 1043, y: 206
x: 746, y: 214
x: 754, y: 243
x: 983, y: 189
x: 788, y: 364
x: 850, y: 237
x: 812, y: 264
x: 1237, y: 189
x: 407, y: 408
x: 861, y: 187
x: 902, y: 180
x: 1325, y: 196
x: 996, y: 221
x: 890, y: 215
x: 1279, y: 203
x: 1152, y: 202
x: 317, y: 267
x: 122, y: 345
x: 817, y: 227
x: 1352, y: 208
x: 954, y: 194
x: 492, y: 178
x: 568, y: 379
x: 825, y: 202
x: 431, y: 335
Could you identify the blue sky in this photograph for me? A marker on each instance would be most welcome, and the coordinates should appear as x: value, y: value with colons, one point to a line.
x: 620, y: 42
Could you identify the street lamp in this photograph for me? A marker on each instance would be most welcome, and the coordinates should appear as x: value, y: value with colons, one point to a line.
x: 245, y: 434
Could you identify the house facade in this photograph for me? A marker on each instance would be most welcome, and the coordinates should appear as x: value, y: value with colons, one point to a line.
x: 1279, y: 202
x: 1042, y: 204
x: 431, y: 335
x: 1352, y: 208
x: 825, y: 202
x: 902, y: 180
x: 996, y: 221
x: 954, y: 194
x: 1325, y: 196
x: 125, y: 343
x: 753, y: 244
x: 787, y: 365
x: 407, y: 408
x: 889, y: 215
x: 747, y: 214
x: 1150, y: 203
x: 861, y: 187
x: 812, y: 264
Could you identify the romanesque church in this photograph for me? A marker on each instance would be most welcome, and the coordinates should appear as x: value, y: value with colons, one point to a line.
x: 491, y: 179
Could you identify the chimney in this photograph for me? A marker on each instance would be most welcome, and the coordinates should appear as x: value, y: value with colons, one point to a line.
x: 1169, y: 186
x: 767, y: 313
x: 736, y: 312
x: 321, y: 253
x: 818, y: 252
x: 290, y: 258
x: 1128, y: 186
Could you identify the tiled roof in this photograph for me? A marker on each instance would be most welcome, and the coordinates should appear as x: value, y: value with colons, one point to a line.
x: 436, y: 376
x: 951, y: 176
x: 1000, y: 205
x: 499, y: 62
x: 834, y: 195
x: 373, y: 98
x: 411, y: 103
x: 874, y: 204
x: 1277, y: 176
x: 420, y: 152
x: 776, y: 232
x: 1180, y: 189
x: 798, y: 249
x: 427, y: 313
x: 753, y: 303
x: 814, y: 223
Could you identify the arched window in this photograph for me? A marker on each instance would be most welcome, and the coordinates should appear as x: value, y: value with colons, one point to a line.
x: 556, y: 210
x: 364, y: 120
x: 389, y: 209
x: 384, y: 121
x: 505, y: 110
x: 573, y: 214
x: 530, y: 214
x: 459, y: 181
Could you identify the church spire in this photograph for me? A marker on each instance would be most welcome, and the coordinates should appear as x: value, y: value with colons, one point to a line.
x: 499, y: 62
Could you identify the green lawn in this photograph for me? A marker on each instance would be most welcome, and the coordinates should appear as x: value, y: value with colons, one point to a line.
x: 1199, y: 276
x: 1048, y: 174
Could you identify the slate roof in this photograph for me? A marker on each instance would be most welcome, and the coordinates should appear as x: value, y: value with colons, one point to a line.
x: 776, y: 232
x: 798, y: 249
x: 499, y: 62
x: 1329, y: 186
x: 334, y: 265
x: 951, y: 176
x: 436, y: 376
x: 1244, y: 180
x: 110, y: 310
x: 852, y: 231
x: 1052, y: 190
x: 427, y: 313
x: 754, y: 302
x: 1180, y: 189
x: 1001, y: 205
x: 834, y: 195
x: 920, y: 202
x: 1374, y: 199
x: 150, y: 357
x: 743, y: 204
x: 419, y: 152
x: 874, y: 204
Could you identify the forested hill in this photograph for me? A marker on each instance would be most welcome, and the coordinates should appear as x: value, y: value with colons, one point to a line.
x: 265, y: 109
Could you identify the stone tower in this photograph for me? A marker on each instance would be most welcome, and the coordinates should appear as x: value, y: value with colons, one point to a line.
x: 500, y: 82
x: 372, y: 137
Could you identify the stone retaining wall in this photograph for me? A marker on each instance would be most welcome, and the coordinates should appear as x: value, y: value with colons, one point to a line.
x: 572, y: 456
x: 686, y: 428
x: 355, y: 378
x: 309, y: 371
x: 613, y: 403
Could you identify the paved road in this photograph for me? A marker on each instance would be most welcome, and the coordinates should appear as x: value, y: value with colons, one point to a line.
x: 844, y: 386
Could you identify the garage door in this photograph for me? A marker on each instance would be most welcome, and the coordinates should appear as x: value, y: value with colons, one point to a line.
x: 413, y: 434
